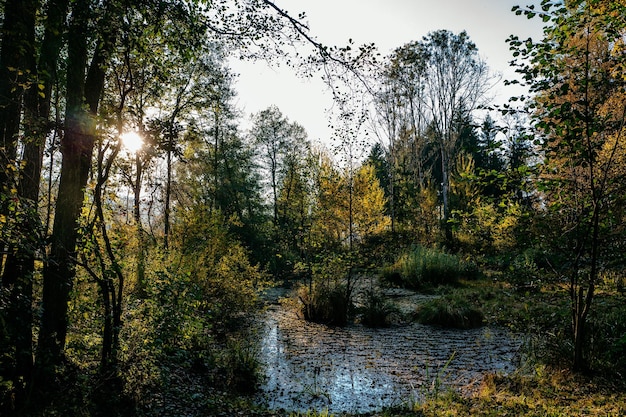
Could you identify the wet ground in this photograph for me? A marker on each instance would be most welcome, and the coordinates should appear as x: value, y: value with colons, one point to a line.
x: 358, y: 369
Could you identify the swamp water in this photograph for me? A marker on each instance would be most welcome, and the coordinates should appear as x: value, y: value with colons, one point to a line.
x: 311, y: 366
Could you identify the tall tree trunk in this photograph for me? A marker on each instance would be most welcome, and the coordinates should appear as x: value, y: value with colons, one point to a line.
x: 168, y: 193
x: 274, y: 174
x: 392, y: 188
x: 579, y: 331
x: 445, y: 190
x: 18, y: 60
x: 17, y: 55
x: 77, y: 149
x: 111, y: 293
x: 216, y: 148
x: 581, y: 305
x: 141, y: 260
x: 36, y: 128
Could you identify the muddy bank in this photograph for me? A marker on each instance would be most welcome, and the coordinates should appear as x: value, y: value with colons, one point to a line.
x: 358, y: 369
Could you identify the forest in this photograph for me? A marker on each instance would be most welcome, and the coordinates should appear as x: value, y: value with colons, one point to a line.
x: 149, y: 234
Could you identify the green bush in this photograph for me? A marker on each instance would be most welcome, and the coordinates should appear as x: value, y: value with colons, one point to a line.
x: 241, y: 366
x: 453, y: 312
x: 424, y: 267
x: 327, y: 298
x: 376, y: 310
x: 325, y: 302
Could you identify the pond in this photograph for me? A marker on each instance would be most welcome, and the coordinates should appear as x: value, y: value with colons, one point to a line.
x: 311, y: 366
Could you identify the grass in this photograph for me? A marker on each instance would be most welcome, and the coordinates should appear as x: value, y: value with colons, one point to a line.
x: 451, y: 312
x: 377, y: 311
x: 241, y: 366
x: 546, y: 392
x: 325, y: 302
x: 422, y: 267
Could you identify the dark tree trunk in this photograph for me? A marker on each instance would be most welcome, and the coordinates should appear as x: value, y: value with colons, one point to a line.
x: 76, y: 148
x: 17, y: 55
x: 111, y: 293
x: 581, y: 301
x: 17, y: 60
x: 141, y: 239
x: 445, y: 190
x: 579, y: 332
x: 168, y: 194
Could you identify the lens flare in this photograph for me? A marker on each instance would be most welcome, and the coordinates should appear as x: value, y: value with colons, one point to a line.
x: 131, y: 141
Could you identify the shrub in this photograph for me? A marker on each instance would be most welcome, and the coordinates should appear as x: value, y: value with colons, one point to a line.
x: 607, y: 336
x: 524, y: 270
x: 422, y: 267
x: 241, y: 366
x: 376, y: 310
x: 327, y: 298
x: 325, y: 302
x: 452, y: 312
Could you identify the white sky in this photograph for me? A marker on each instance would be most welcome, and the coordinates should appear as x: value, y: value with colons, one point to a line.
x: 389, y: 24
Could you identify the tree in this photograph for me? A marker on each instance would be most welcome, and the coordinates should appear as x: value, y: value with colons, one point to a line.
x: 576, y: 73
x: 369, y: 204
x: 457, y: 81
x: 83, y: 94
x: 222, y: 181
x: 400, y: 118
x: 279, y: 141
x: 35, y: 92
x: 430, y: 90
x: 519, y: 159
x: 295, y: 197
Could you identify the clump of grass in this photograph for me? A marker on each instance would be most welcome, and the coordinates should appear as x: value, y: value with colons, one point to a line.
x: 453, y: 312
x: 423, y: 267
x: 376, y: 310
x: 327, y: 297
x: 323, y: 302
x: 241, y: 365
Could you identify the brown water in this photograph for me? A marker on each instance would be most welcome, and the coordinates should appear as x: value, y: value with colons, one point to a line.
x: 310, y: 366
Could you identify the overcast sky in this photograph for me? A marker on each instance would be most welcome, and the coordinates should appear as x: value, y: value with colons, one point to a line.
x: 389, y: 24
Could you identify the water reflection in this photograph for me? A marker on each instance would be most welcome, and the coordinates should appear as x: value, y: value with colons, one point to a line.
x: 357, y: 369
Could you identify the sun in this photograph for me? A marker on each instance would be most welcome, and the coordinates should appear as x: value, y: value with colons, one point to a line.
x: 131, y: 141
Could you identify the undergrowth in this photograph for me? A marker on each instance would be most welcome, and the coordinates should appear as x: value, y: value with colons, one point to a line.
x: 452, y: 312
x: 421, y: 268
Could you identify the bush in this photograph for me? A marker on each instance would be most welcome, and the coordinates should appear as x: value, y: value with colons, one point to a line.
x: 376, y: 310
x: 451, y: 312
x: 327, y: 299
x: 325, y: 302
x: 606, y: 334
x: 422, y: 267
x: 241, y: 366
